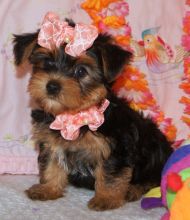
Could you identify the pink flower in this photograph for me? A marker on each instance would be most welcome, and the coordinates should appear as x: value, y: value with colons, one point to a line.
x: 187, y: 2
x: 186, y: 42
x: 120, y: 9
x: 103, y: 27
x: 187, y: 109
x: 127, y: 29
x: 167, y: 122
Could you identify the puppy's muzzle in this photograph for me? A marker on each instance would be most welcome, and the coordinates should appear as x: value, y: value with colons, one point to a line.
x: 53, y: 88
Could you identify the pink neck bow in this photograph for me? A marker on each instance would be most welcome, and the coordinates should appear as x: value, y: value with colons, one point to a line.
x: 70, y: 124
x: 55, y: 32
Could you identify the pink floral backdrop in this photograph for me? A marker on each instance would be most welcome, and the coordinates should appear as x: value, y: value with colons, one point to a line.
x: 157, y: 82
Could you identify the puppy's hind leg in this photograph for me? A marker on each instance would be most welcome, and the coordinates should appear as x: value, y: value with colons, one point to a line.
x: 110, y: 190
x: 135, y: 192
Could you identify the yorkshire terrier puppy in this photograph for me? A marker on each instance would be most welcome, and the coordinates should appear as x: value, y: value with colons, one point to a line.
x: 85, y: 134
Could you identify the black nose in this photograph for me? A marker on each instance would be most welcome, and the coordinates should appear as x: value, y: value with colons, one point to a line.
x: 53, y: 87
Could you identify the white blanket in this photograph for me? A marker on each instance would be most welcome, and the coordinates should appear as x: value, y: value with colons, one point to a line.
x: 15, y: 205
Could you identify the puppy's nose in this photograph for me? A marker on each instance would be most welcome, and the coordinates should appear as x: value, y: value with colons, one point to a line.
x: 53, y: 87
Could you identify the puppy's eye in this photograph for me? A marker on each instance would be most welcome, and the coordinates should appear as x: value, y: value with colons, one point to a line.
x: 49, y: 62
x: 80, y: 72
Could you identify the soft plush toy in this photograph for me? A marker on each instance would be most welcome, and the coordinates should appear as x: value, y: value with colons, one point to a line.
x: 175, y: 187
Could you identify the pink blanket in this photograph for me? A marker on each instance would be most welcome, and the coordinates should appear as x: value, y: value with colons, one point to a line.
x: 161, y: 20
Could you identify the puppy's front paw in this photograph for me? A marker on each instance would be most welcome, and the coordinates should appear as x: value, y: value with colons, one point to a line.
x: 43, y: 192
x: 102, y: 203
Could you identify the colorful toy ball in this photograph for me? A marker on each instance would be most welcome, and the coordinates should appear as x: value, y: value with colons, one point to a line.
x: 175, y: 185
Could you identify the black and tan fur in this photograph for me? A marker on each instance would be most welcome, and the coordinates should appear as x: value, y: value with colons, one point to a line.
x: 122, y: 159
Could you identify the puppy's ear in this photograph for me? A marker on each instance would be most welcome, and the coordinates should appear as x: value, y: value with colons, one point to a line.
x: 114, y: 58
x: 23, y: 46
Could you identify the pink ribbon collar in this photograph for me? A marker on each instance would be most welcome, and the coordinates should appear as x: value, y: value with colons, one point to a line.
x: 55, y: 32
x: 70, y: 124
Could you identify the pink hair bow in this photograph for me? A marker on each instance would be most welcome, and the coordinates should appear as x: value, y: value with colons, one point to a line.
x: 55, y: 32
x: 70, y: 124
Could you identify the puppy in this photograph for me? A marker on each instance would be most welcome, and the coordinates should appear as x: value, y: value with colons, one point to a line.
x: 85, y: 134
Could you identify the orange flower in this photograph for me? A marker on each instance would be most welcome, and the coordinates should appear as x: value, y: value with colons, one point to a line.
x: 171, y: 133
x: 186, y: 23
x: 96, y: 4
x: 160, y: 117
x: 187, y: 67
x: 123, y: 40
x: 185, y: 100
x: 186, y: 120
x: 186, y: 87
x: 134, y: 106
x: 150, y: 102
x: 137, y: 85
x: 114, y: 21
x: 127, y: 80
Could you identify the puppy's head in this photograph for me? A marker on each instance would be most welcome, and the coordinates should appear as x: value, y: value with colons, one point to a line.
x: 60, y: 82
